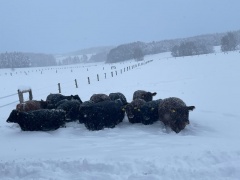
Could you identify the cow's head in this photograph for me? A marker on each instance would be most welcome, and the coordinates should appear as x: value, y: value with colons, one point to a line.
x: 148, y: 96
x: 13, y: 117
x: 178, y: 118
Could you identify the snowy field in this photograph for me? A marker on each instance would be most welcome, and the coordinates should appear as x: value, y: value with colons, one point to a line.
x: 207, y: 149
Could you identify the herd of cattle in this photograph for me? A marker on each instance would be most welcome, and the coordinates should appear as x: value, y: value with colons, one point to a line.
x: 101, y: 111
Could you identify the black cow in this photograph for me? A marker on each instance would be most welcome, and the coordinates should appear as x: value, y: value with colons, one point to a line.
x: 71, y: 107
x: 118, y: 95
x: 84, y: 110
x: 149, y: 112
x: 133, y: 111
x: 38, y: 120
x: 141, y: 94
x: 105, y: 114
x: 53, y: 99
x: 99, y: 98
x: 140, y: 111
x: 174, y: 113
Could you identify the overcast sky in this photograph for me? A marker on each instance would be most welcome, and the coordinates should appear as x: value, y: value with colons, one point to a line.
x: 57, y: 26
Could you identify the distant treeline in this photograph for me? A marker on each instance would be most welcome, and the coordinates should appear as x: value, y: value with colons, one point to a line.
x: 196, y: 45
x: 202, y: 44
x: 73, y: 60
x: 20, y: 60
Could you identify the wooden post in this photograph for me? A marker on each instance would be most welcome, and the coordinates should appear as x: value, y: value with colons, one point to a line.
x: 76, y: 83
x: 97, y: 77
x: 20, y: 95
x: 112, y: 74
x: 121, y: 71
x: 105, y: 75
x: 116, y: 73
x: 30, y: 94
x: 59, y: 88
x: 88, y: 80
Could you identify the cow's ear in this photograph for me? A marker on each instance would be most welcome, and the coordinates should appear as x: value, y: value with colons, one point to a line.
x: 154, y: 94
x: 191, y: 108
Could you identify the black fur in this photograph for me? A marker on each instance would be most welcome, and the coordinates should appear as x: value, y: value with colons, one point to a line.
x: 38, y: 120
x: 105, y: 114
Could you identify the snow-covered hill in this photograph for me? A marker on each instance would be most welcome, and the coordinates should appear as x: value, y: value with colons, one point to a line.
x: 208, y: 148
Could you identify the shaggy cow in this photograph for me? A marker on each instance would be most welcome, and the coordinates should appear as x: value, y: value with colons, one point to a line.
x: 99, y: 98
x: 118, y: 95
x: 53, y: 99
x: 31, y: 105
x: 174, y: 113
x: 140, y: 111
x: 84, y: 109
x: 149, y: 112
x: 133, y: 111
x: 71, y: 107
x: 105, y: 114
x: 141, y: 94
x: 39, y: 120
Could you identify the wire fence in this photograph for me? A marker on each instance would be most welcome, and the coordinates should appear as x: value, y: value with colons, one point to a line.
x: 8, y: 96
x: 89, y: 80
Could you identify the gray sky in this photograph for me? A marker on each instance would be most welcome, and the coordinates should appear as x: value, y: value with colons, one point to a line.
x: 57, y: 26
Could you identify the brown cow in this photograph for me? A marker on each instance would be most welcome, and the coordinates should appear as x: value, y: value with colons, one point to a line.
x: 31, y: 105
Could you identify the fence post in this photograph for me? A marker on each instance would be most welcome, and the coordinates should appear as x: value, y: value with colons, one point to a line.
x: 76, y: 83
x: 116, y: 73
x: 105, y: 75
x: 30, y: 94
x: 112, y: 74
x: 59, y: 88
x: 121, y: 71
x: 97, y: 77
x: 20, y: 95
x: 88, y: 80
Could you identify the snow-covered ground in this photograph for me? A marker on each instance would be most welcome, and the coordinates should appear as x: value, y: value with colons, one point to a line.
x: 208, y: 149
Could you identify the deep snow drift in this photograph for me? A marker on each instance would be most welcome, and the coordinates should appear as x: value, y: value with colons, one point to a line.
x: 208, y: 148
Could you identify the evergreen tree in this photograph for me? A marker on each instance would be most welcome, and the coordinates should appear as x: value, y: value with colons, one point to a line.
x: 229, y: 42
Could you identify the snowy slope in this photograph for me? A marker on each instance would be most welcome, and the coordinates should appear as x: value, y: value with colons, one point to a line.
x: 208, y: 148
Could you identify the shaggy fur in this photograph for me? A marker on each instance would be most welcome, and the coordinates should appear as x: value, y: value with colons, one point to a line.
x: 133, y: 111
x: 118, y: 95
x: 141, y: 94
x: 71, y: 107
x: 105, y: 114
x: 31, y: 105
x: 174, y: 113
x: 99, y: 98
x: 53, y: 99
x: 149, y: 112
x: 39, y: 120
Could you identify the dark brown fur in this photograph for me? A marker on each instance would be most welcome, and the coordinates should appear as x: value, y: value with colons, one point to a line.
x: 31, y: 105
x: 141, y: 94
x: 174, y: 113
x: 99, y: 98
